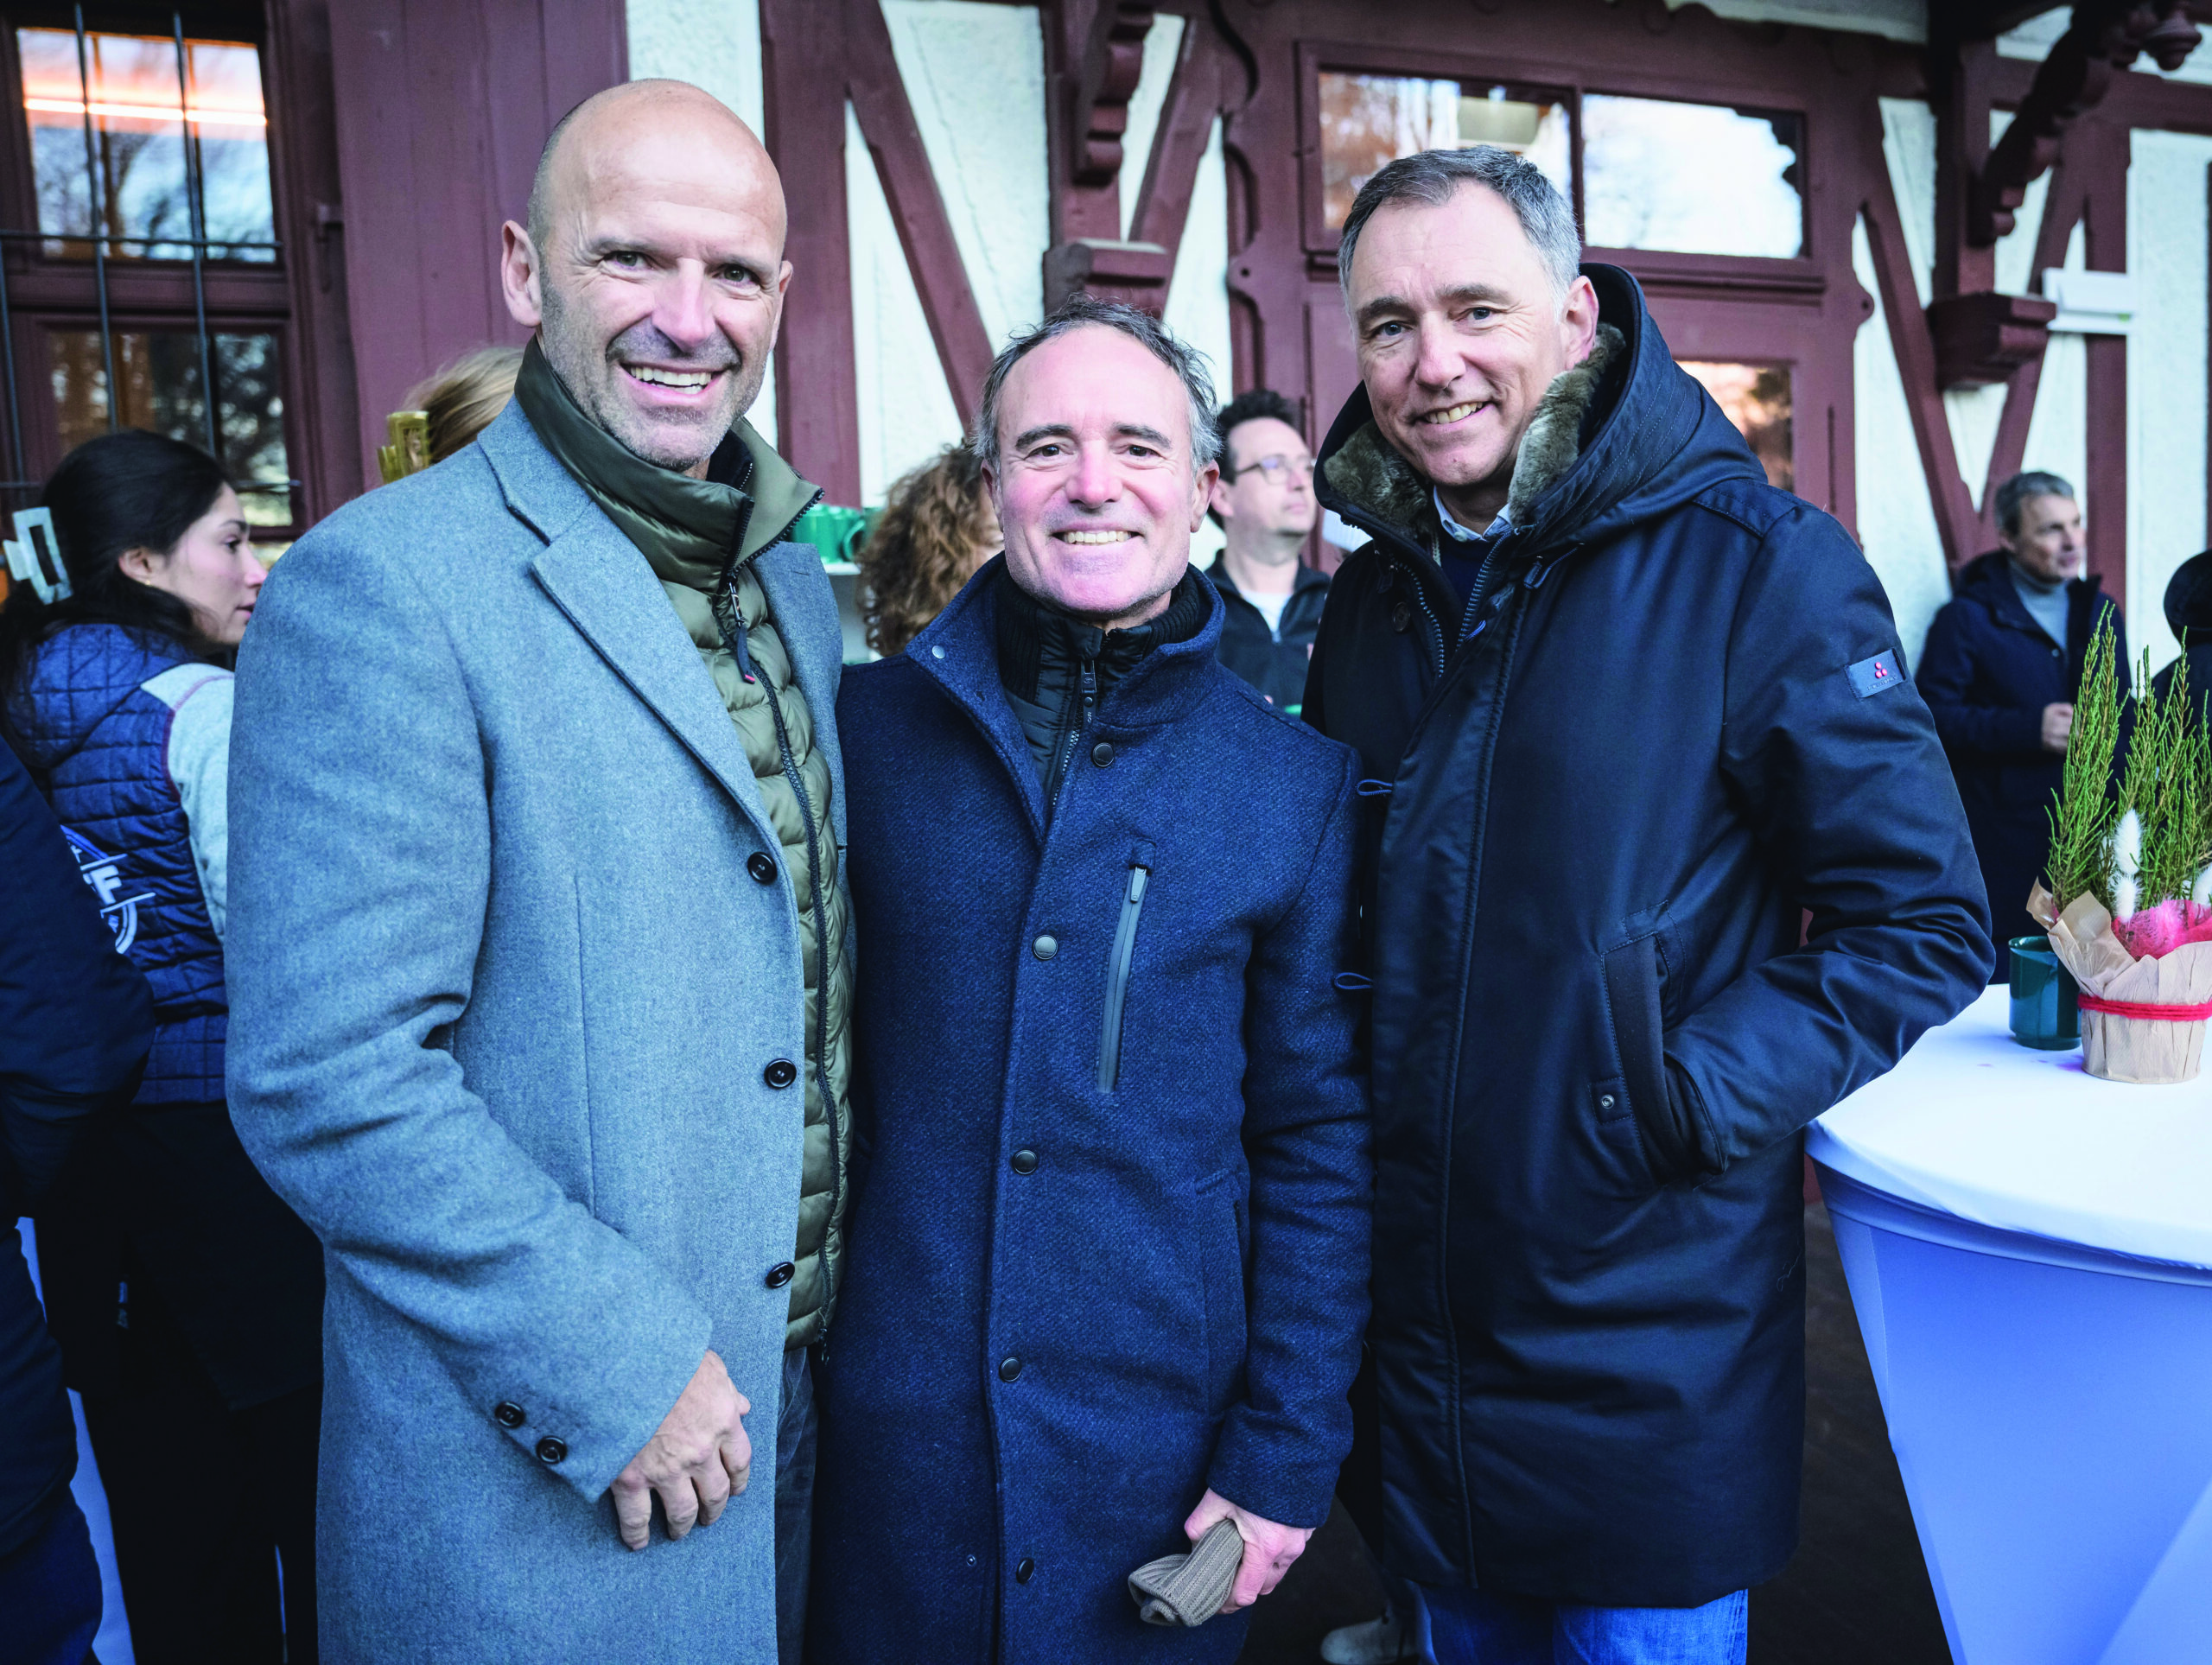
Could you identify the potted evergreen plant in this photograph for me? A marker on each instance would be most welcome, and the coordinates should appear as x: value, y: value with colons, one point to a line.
x: 2129, y: 907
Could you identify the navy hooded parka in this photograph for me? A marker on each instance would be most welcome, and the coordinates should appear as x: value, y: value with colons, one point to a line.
x: 1111, y: 1194
x: 1672, y: 722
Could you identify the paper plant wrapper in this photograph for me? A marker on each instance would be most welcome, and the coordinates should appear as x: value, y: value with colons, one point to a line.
x: 2152, y: 1050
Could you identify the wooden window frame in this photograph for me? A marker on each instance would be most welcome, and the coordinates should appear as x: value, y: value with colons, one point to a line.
x: 45, y: 293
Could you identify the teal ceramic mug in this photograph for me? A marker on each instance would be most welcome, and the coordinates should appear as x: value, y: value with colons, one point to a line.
x: 837, y: 533
x: 2044, y: 1014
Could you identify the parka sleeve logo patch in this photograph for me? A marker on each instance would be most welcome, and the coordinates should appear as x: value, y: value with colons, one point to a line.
x: 1871, y: 676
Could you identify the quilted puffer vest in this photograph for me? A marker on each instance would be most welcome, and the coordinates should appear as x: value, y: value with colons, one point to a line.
x: 97, y: 743
x: 777, y: 758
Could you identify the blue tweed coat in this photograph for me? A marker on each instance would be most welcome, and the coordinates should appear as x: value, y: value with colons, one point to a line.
x: 503, y: 996
x: 1071, y: 1307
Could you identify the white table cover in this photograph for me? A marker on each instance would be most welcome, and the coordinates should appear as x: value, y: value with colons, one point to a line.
x: 1973, y: 1124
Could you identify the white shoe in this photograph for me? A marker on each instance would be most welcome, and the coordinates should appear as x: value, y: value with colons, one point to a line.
x: 1379, y: 1642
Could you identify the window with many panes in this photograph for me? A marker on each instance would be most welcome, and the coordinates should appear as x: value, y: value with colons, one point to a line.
x: 143, y: 283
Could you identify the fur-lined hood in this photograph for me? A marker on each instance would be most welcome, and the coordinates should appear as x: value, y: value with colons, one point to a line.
x: 1621, y: 436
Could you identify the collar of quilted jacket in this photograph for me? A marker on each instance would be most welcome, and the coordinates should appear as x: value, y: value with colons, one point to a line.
x: 688, y: 529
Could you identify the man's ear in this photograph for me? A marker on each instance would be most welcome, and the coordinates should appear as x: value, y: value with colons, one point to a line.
x: 521, y: 276
x: 1217, y: 497
x: 1578, y: 321
x: 1208, y: 491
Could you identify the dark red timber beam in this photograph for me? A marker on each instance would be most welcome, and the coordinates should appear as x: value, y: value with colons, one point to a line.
x: 803, y: 45
x: 887, y: 122
x: 1956, y: 523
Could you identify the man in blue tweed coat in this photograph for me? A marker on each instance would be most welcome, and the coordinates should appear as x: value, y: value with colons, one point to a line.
x: 1110, y: 1245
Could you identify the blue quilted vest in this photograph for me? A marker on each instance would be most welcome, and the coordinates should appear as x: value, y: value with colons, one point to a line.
x: 98, y: 744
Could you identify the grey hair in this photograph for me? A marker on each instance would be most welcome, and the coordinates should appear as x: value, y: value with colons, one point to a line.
x: 2013, y: 496
x: 1433, y: 177
x: 1077, y: 311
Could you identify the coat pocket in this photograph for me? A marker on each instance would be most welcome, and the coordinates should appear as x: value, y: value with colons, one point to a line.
x: 1221, y: 1275
x: 1119, y: 962
x: 1634, y: 976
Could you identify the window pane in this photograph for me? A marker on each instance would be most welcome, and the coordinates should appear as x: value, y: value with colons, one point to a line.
x: 1755, y: 397
x: 1368, y: 120
x: 139, y: 128
x: 1699, y: 177
x: 158, y: 371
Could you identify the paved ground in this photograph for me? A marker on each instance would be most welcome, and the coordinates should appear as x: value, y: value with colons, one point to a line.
x: 1857, y: 1591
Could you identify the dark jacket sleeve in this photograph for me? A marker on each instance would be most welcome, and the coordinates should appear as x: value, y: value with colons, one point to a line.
x: 1946, y: 681
x: 1853, y: 803
x: 1306, y: 1136
x: 75, y: 1016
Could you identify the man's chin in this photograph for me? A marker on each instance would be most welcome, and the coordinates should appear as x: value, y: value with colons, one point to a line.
x: 1457, y: 463
x: 672, y: 442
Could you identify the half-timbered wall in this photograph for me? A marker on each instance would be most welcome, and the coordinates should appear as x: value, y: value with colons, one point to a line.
x: 952, y: 165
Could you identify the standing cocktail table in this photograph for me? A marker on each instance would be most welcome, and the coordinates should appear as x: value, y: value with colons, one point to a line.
x: 2030, y: 1253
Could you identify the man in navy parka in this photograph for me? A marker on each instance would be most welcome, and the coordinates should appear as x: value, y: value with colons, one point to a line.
x: 1631, y: 714
x: 1111, y: 1202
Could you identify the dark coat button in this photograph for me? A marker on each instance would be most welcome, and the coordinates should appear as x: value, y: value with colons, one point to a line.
x: 509, y: 1414
x: 762, y: 869
x: 781, y: 1274
x: 1025, y: 1161
x: 1044, y: 947
x: 781, y: 1073
x: 551, y: 1449
x: 1103, y: 754
x: 1401, y: 617
x: 1023, y: 1569
x: 1009, y: 1368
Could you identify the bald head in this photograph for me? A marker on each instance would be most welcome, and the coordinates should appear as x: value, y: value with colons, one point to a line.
x: 617, y: 116
x: 652, y: 267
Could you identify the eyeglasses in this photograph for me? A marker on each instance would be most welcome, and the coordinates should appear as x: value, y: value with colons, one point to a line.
x: 1278, y: 468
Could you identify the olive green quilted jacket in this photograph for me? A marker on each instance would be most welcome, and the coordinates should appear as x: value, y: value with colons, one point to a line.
x: 686, y: 529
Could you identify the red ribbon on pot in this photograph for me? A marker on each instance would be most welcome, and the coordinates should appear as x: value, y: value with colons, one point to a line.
x: 2145, y: 1009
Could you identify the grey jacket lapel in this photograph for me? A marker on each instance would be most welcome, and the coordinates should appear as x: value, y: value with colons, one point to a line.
x: 596, y: 575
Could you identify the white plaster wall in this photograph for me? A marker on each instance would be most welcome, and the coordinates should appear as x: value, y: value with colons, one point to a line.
x: 1161, y: 44
x: 1896, y: 524
x: 906, y: 413
x: 2058, y: 430
x: 713, y: 44
x: 1900, y: 20
x: 2167, y: 230
x: 974, y: 75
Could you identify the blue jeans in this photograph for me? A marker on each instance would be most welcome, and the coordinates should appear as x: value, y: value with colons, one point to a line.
x: 795, y: 1426
x: 1474, y: 1627
x: 50, y: 1593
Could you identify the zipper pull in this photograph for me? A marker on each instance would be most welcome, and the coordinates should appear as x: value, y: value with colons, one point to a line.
x: 739, y: 652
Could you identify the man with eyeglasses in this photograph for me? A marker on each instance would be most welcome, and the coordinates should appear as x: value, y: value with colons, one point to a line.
x: 1264, y: 503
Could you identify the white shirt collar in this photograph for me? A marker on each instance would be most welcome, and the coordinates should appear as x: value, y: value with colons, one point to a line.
x: 1458, y: 533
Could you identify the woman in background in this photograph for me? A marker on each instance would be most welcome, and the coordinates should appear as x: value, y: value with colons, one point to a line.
x: 937, y: 528
x: 463, y: 397
x: 187, y: 1298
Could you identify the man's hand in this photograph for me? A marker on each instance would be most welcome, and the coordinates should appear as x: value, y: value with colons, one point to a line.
x: 1269, y: 1548
x: 696, y: 1460
x: 2057, y: 726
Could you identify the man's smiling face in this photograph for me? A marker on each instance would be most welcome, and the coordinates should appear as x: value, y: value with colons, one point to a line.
x: 656, y: 272
x: 1460, y: 330
x: 1097, y: 484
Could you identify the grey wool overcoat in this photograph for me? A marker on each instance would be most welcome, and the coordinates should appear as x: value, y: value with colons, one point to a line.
x: 504, y: 1001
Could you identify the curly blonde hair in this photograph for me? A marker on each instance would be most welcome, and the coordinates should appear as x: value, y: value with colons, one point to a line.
x: 463, y: 397
x: 923, y: 548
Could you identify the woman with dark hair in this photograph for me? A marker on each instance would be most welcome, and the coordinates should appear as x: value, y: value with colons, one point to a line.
x: 937, y: 528
x: 187, y: 1298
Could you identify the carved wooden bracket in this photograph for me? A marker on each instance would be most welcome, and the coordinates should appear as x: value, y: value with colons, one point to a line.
x: 1136, y: 273
x: 1981, y: 338
x: 2104, y: 39
x: 1110, y: 72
